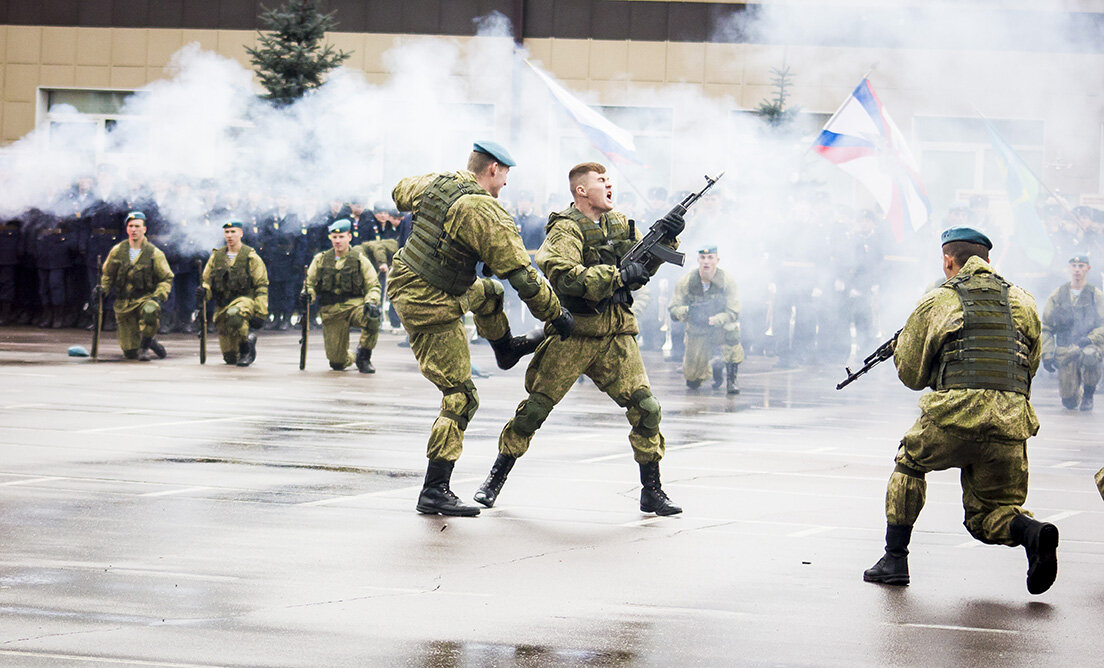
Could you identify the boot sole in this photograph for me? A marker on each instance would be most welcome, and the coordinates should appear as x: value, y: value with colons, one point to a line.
x: 1042, y: 576
x: 484, y: 501
x: 456, y: 512
x: 895, y: 580
x: 661, y: 512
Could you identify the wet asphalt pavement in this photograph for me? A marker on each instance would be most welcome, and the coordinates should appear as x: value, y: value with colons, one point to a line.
x: 172, y: 514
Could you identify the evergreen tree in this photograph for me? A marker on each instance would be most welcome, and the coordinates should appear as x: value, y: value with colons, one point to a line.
x: 774, y: 112
x: 290, y: 58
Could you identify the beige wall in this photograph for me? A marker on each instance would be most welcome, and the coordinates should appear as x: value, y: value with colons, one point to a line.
x: 947, y: 83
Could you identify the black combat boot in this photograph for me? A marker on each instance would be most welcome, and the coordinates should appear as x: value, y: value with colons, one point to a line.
x: 436, y: 497
x: 364, y: 360
x: 150, y: 344
x: 652, y: 497
x: 1070, y: 402
x: 1040, y: 541
x: 488, y: 491
x: 247, y: 350
x: 1087, y: 397
x: 509, y: 349
x: 732, y: 387
x: 109, y: 324
x: 718, y: 373
x: 693, y: 384
x: 283, y: 324
x: 58, y: 319
x: 45, y: 318
x: 892, y: 568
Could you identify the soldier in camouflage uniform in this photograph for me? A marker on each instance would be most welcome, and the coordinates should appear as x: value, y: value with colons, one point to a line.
x: 458, y: 222
x: 235, y: 276
x: 580, y: 256
x: 1073, y: 336
x: 708, y: 302
x: 975, y: 341
x: 139, y: 273
x: 345, y: 284
x: 1100, y: 481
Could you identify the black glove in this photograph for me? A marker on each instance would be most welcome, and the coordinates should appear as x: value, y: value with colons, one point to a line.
x: 1086, y: 341
x: 371, y: 311
x: 201, y: 294
x: 564, y: 324
x: 1050, y: 364
x: 304, y: 300
x: 673, y: 225
x: 256, y: 322
x: 634, y: 275
x: 97, y: 293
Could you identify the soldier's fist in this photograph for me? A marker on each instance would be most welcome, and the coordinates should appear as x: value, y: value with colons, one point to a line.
x: 97, y: 293
x: 256, y: 322
x: 564, y: 324
x: 304, y: 300
x: 673, y: 225
x: 634, y: 275
x: 1050, y: 364
x: 371, y: 310
x: 201, y: 293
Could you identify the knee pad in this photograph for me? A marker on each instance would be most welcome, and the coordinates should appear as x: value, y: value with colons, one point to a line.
x: 494, y: 294
x: 460, y: 403
x: 1090, y: 356
x: 531, y: 414
x: 151, y: 311
x: 130, y: 354
x: 644, y: 412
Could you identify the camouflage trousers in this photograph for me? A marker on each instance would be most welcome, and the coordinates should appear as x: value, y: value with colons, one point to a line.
x: 615, y: 366
x: 336, y: 321
x: 1077, y: 366
x: 136, y: 319
x: 232, y: 323
x: 445, y: 360
x: 993, y: 478
x: 700, y: 345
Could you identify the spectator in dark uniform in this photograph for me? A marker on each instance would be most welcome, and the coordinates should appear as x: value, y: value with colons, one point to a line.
x: 55, y: 248
x: 11, y: 244
x: 279, y: 241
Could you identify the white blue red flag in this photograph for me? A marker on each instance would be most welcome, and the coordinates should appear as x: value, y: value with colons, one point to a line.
x: 862, y: 140
x: 614, y: 142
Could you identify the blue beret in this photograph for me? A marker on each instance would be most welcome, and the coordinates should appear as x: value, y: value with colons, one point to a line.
x: 707, y: 249
x: 77, y: 351
x: 967, y: 234
x: 233, y: 223
x: 343, y: 225
x: 495, y: 150
x: 135, y: 215
x: 1080, y: 257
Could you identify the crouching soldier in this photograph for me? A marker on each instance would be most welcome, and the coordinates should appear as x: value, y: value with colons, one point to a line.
x: 345, y: 284
x: 235, y: 276
x: 1073, y: 336
x: 708, y: 302
x: 139, y: 273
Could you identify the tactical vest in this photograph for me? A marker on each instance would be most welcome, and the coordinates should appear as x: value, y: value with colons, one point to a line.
x: 988, y: 352
x: 442, y: 261
x: 1074, y: 321
x: 704, y: 306
x: 598, y: 248
x: 133, y: 279
x: 336, y: 285
x: 230, y: 281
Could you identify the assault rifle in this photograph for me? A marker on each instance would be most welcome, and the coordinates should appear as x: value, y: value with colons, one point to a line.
x: 304, y: 323
x: 202, y: 319
x: 649, y: 244
x: 884, y: 352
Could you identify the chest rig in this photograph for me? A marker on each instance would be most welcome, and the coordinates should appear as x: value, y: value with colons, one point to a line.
x: 442, y: 261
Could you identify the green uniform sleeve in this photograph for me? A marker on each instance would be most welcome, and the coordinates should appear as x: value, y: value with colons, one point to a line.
x: 407, y: 191
x: 207, y: 269
x: 371, y: 280
x: 164, y: 276
x: 680, y: 299
x: 258, y: 274
x: 937, y: 315
x: 560, y: 257
x: 732, y: 301
x: 312, y: 276
x: 107, y: 273
x: 1050, y: 346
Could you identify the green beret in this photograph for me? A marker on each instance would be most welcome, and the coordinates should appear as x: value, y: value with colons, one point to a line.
x: 233, y: 223
x: 495, y: 150
x: 135, y: 215
x: 967, y: 234
x: 343, y: 225
x: 1080, y: 257
x: 705, y: 250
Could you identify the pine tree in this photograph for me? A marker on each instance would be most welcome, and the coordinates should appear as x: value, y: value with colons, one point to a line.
x: 290, y: 58
x: 774, y: 112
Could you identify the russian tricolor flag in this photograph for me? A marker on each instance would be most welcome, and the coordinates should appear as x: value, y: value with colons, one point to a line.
x: 615, y: 142
x: 862, y: 140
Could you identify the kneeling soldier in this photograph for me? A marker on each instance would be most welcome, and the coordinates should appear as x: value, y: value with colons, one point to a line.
x: 346, y: 286
x: 1073, y: 336
x: 140, y: 275
x: 237, y: 279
